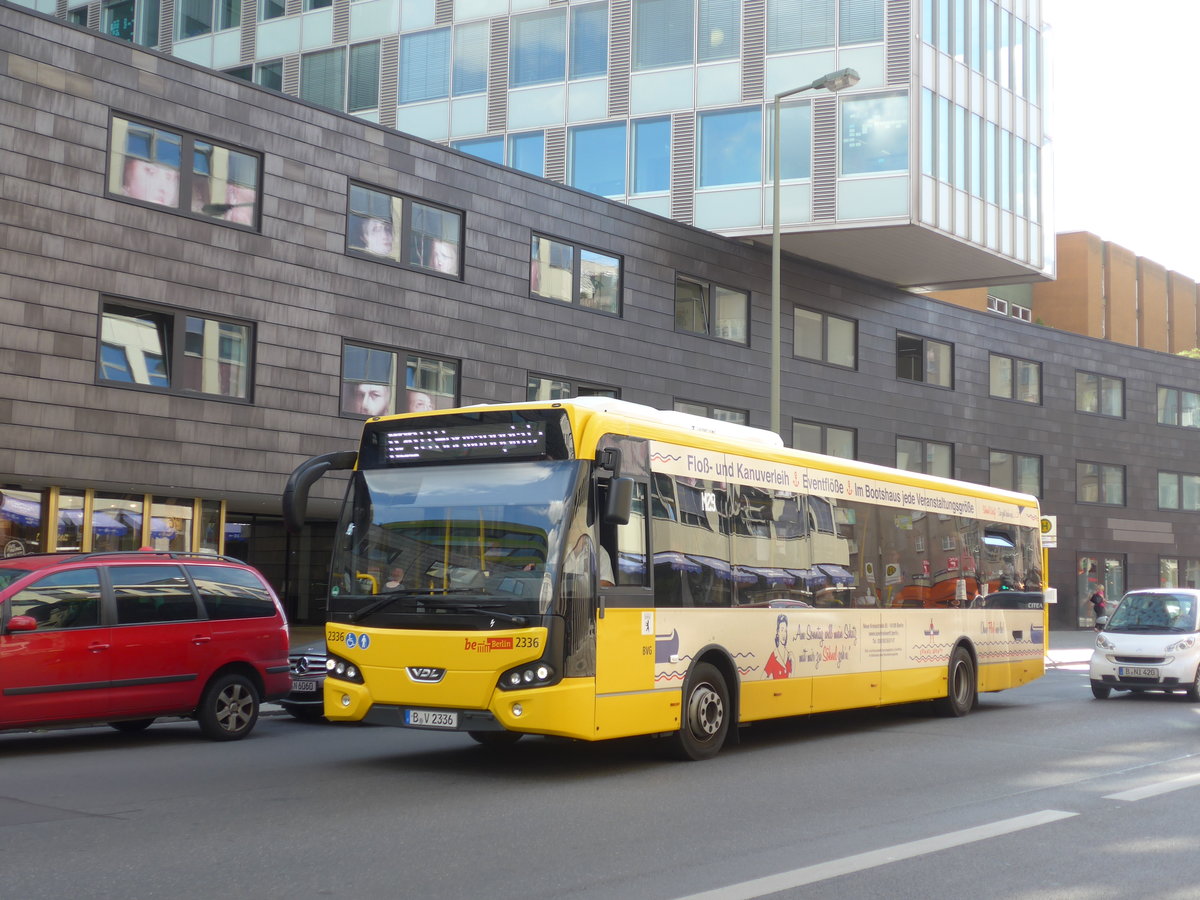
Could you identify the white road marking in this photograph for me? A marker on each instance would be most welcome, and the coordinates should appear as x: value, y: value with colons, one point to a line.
x: 1153, y: 790
x: 759, y: 887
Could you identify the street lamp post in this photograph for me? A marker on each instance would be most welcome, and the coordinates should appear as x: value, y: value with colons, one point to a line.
x: 833, y: 82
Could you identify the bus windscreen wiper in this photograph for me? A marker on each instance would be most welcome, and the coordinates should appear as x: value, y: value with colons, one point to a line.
x: 392, y: 596
x: 491, y: 609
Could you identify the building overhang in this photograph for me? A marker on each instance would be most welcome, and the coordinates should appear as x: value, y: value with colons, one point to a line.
x: 907, y: 256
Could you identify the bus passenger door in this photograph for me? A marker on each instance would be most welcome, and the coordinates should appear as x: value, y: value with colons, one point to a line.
x: 626, y: 700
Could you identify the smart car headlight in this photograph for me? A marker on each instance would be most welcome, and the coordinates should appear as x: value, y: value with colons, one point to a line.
x: 1104, y: 643
x: 1182, y: 644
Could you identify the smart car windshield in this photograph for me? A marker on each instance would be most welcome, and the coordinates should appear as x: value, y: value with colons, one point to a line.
x: 1151, y: 611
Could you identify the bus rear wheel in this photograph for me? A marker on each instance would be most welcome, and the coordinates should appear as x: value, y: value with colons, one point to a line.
x: 961, y: 686
x: 706, y: 713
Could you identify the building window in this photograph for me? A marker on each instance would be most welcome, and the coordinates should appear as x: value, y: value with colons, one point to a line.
x: 795, y: 141
x: 268, y: 74
x: 1099, y: 394
x: 546, y: 388
x: 403, y: 230
x: 131, y: 21
x: 874, y: 134
x: 729, y: 147
x: 736, y: 416
x: 197, y: 17
x: 346, y: 82
x: 596, y: 158
x: 271, y: 9
x: 825, y: 338
x: 169, y: 350
x: 538, y: 48
x: 650, y: 156
x: 573, y: 274
x: 997, y: 305
x: 930, y: 457
x: 799, y: 25
x: 527, y: 152
x: 663, y: 33
x: 1178, y: 572
x: 489, y: 148
x: 470, y: 58
x: 424, y: 66
x: 370, y: 382
x: 1178, y: 491
x: 1178, y: 407
x: 705, y: 308
x: 922, y: 359
x: 860, y: 21
x: 1100, y: 483
x: 1015, y: 472
x: 588, y: 44
x: 827, y: 439
x: 183, y: 173
x: 1015, y: 379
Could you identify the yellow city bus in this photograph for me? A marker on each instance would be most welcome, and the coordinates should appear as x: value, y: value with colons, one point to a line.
x: 595, y: 569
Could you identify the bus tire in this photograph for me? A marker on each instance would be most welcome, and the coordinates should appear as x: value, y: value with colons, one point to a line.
x: 495, y: 739
x: 962, y: 689
x: 704, y: 719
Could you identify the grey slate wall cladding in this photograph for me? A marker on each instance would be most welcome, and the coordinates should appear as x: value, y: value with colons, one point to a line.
x: 63, y: 244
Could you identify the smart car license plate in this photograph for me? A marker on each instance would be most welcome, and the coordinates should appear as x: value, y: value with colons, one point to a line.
x: 1136, y: 672
x: 430, y: 718
x: 303, y: 686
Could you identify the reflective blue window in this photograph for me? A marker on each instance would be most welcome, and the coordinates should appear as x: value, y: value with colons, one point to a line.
x: 527, y: 152
x: 538, y: 48
x: 489, y: 148
x: 425, y: 65
x: 730, y: 147
x: 652, y: 155
x: 597, y: 159
x: 875, y: 134
x: 589, y: 40
x: 795, y: 142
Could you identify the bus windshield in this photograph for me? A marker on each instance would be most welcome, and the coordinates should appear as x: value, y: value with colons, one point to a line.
x: 473, y: 538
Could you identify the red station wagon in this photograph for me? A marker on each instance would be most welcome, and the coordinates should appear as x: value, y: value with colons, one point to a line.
x: 127, y: 637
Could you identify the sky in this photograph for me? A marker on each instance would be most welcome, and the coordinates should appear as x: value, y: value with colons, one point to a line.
x: 1124, y: 122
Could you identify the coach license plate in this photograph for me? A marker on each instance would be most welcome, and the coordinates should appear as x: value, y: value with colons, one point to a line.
x: 303, y: 686
x: 1136, y: 672
x: 430, y: 718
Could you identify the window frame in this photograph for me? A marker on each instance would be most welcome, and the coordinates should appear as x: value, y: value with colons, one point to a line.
x: 925, y: 344
x: 402, y: 360
x: 591, y: 388
x: 1101, y: 381
x: 709, y: 293
x: 925, y: 445
x: 1181, y: 494
x: 115, y: 176
x: 734, y: 416
x: 1101, y: 469
x: 825, y: 319
x: 824, y: 430
x: 1015, y: 459
x: 176, y: 352
x: 1014, y: 379
x: 1178, y: 406
x: 403, y: 241
x: 577, y: 251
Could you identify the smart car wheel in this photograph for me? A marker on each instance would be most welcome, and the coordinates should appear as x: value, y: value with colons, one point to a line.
x: 1100, y: 691
x: 228, y: 709
x: 1193, y: 692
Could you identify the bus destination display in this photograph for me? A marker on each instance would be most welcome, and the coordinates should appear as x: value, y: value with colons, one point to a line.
x: 462, y: 442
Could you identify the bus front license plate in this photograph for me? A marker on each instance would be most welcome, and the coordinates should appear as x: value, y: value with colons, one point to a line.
x: 430, y: 718
x: 1136, y: 672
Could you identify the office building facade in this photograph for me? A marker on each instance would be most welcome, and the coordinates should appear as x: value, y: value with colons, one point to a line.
x: 933, y: 163
x: 203, y: 283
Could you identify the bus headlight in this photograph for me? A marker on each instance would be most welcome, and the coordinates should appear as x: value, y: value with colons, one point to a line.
x: 336, y: 667
x: 530, y: 675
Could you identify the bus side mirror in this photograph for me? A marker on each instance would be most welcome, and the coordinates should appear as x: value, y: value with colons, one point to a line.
x: 295, y: 493
x: 619, y: 504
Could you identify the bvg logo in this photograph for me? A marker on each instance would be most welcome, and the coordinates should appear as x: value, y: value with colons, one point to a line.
x: 487, y: 646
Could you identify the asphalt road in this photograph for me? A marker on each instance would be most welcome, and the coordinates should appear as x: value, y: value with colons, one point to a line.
x: 1042, y: 792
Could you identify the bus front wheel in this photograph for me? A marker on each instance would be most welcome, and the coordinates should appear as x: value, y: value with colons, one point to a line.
x: 962, y: 689
x: 706, y: 712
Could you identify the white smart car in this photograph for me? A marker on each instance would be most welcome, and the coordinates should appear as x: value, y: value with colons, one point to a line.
x: 1149, y: 643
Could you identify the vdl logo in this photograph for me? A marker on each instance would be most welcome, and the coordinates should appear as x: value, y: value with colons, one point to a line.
x: 362, y: 641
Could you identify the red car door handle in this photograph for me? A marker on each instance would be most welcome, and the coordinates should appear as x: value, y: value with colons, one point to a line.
x: 201, y: 639
x: 96, y: 648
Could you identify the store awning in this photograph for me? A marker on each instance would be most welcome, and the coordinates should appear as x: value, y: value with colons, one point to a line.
x: 839, y: 576
x: 723, y: 569
x: 676, y: 561
x: 21, y: 512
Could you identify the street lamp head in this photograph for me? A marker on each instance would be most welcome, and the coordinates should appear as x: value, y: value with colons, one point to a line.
x: 836, y: 81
